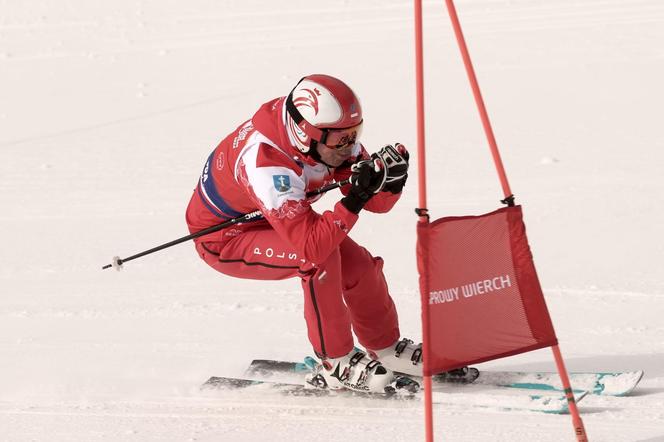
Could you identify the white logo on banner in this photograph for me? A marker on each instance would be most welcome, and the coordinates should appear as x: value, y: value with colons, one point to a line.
x: 469, y: 290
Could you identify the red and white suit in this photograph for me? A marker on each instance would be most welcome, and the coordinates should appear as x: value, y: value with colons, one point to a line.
x: 257, y: 167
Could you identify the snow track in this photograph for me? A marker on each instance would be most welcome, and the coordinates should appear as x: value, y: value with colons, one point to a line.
x: 109, y: 109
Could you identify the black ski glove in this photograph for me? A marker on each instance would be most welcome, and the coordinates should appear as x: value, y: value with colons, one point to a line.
x: 367, y: 180
x: 396, y: 167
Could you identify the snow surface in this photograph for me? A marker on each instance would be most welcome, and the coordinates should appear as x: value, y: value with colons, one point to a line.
x: 109, y: 109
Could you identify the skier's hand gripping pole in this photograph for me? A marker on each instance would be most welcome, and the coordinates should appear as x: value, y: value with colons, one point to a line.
x: 368, y: 177
x: 395, y: 158
x: 386, y: 171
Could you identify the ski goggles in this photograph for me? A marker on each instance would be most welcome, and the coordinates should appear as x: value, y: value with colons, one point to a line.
x: 341, y: 138
x: 334, y: 138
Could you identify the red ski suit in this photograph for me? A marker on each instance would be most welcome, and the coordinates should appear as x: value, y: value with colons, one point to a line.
x: 257, y: 167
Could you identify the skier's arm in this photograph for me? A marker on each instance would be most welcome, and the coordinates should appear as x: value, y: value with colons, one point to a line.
x: 314, y: 236
x: 280, y: 194
x: 284, y: 205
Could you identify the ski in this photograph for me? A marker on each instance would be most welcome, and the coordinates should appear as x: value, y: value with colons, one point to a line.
x: 267, y: 368
x: 552, y: 403
x: 404, y: 388
x: 599, y: 383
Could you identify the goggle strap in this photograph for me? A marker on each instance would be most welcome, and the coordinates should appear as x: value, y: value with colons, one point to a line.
x: 292, y: 109
x: 312, y: 131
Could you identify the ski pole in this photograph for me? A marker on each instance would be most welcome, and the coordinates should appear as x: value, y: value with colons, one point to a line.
x: 117, y: 261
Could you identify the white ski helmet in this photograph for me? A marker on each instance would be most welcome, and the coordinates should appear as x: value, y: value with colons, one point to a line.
x: 322, y: 109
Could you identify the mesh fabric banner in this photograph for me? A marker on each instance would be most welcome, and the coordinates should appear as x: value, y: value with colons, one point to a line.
x: 484, y: 299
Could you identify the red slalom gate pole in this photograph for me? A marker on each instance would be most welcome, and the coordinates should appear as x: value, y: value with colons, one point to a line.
x: 422, y: 213
x: 470, y: 71
x: 579, y: 429
x: 419, y: 84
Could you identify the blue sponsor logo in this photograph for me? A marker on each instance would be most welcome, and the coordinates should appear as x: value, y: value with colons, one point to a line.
x: 281, y: 182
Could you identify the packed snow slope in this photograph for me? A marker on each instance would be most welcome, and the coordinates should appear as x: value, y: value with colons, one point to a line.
x: 109, y: 109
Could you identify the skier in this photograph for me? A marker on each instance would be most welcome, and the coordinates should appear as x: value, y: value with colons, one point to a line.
x: 293, y: 144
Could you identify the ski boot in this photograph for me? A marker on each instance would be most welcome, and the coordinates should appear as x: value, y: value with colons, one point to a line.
x: 405, y: 357
x: 356, y: 371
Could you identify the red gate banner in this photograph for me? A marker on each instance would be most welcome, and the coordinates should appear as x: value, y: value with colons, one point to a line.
x: 479, y: 281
